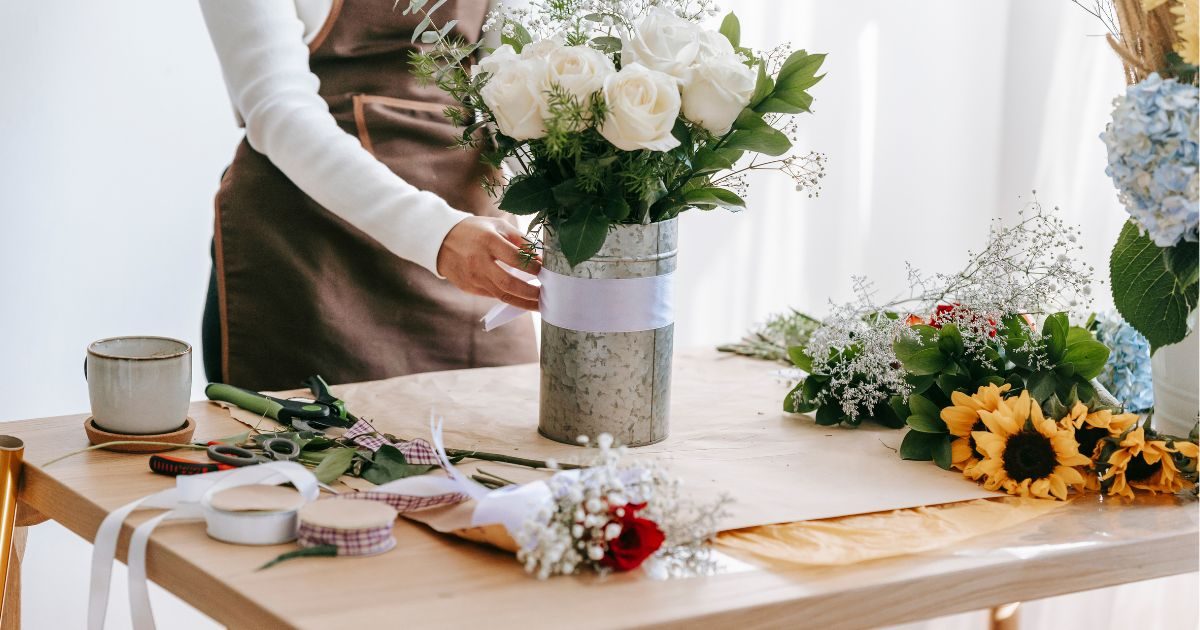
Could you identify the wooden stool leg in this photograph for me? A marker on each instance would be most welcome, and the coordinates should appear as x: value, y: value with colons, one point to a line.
x: 1006, y: 617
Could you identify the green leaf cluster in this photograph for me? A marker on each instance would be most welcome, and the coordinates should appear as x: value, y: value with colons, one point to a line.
x: 1154, y: 288
x: 816, y: 394
x: 1055, y: 367
x: 573, y: 180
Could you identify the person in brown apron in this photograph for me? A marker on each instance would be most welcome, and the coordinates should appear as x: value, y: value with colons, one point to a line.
x: 296, y: 290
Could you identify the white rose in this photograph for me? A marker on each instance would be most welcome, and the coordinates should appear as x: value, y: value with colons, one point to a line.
x: 663, y: 42
x: 642, y: 107
x: 516, y: 96
x: 499, y: 57
x: 541, y: 49
x: 580, y: 70
x: 716, y: 92
x: 713, y: 45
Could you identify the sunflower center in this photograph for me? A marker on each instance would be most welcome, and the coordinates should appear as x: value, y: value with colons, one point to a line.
x: 1088, y: 437
x: 978, y: 426
x: 1139, y: 470
x: 1029, y: 455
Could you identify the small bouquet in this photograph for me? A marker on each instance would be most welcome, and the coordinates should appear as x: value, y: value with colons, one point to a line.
x: 613, y: 516
x: 618, y: 112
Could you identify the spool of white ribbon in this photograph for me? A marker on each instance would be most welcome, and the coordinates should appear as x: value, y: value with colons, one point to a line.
x: 599, y: 305
x: 185, y: 501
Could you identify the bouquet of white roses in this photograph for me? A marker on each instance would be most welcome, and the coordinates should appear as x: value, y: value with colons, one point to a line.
x: 621, y: 111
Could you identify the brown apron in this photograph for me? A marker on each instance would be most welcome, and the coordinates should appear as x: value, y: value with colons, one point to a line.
x: 301, y: 291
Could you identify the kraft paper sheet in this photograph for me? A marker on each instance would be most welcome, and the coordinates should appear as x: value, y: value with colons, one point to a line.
x: 728, y: 435
x: 864, y: 537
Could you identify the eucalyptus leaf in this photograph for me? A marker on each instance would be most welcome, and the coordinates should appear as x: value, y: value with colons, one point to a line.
x: 607, y: 44
x: 334, y: 465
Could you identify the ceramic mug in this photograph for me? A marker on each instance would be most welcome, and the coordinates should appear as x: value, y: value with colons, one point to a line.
x: 139, y: 385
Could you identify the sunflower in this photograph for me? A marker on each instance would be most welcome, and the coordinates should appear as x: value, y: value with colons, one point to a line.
x: 1146, y: 464
x: 1026, y: 454
x: 963, y: 417
x: 1091, y: 429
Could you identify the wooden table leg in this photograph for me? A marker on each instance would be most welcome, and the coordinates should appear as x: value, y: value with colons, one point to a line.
x: 1006, y: 617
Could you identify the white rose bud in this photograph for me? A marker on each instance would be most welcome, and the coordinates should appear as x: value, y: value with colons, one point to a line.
x: 515, y: 95
x: 593, y: 505
x: 716, y: 92
x: 664, y: 42
x: 499, y: 57
x: 612, y: 530
x: 577, y: 531
x: 580, y: 70
x: 595, y: 553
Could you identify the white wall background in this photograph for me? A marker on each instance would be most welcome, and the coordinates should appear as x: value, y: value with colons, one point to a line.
x: 936, y: 115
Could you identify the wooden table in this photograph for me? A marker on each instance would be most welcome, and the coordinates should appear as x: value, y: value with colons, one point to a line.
x: 433, y: 579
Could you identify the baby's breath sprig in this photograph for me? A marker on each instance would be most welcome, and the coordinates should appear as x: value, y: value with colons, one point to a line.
x: 1028, y: 268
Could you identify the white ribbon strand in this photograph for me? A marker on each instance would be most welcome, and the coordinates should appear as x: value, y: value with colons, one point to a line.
x: 184, y: 501
x: 599, y: 305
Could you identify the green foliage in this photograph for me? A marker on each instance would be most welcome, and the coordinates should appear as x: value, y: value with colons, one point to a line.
x: 389, y: 464
x: 335, y: 463
x: 1154, y: 288
x: 1055, y: 366
x: 573, y: 180
x: 781, y: 338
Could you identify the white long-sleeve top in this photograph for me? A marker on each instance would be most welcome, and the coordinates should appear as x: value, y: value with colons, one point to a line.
x: 262, y: 46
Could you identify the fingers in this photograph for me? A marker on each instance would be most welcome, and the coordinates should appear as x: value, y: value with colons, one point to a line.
x: 511, y: 255
x: 506, y: 284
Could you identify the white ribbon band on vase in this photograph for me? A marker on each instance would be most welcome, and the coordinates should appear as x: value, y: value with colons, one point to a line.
x: 191, y: 498
x: 599, y: 305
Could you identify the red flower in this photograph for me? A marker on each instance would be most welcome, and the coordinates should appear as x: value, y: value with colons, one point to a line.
x: 639, y: 539
x: 953, y: 313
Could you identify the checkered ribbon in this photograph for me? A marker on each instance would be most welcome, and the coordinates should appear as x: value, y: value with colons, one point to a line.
x: 349, y: 542
x: 416, y: 451
x: 407, y: 502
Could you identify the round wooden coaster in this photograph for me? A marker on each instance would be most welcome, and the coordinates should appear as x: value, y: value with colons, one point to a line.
x: 347, y: 513
x: 96, y: 435
x: 257, y: 498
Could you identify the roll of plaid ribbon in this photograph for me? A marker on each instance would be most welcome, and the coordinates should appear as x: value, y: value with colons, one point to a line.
x: 354, y: 528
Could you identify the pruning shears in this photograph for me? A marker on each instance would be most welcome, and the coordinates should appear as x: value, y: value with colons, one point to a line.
x: 324, y: 411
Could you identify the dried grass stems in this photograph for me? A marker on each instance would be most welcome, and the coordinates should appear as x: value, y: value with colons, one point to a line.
x: 1145, y: 37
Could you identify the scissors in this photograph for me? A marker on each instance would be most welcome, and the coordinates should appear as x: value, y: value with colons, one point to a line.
x: 274, y: 449
x: 323, y: 412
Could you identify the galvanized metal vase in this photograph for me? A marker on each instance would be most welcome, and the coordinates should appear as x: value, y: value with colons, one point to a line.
x: 611, y: 382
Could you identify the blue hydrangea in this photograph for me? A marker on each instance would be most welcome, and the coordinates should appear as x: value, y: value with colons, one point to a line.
x: 1127, y: 373
x: 1152, y: 157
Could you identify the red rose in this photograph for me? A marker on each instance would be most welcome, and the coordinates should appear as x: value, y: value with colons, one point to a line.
x: 953, y: 313
x: 639, y: 539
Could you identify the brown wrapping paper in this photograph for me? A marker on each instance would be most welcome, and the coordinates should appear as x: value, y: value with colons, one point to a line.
x: 728, y: 435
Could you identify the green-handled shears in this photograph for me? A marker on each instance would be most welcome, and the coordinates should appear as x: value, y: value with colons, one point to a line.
x: 325, y: 411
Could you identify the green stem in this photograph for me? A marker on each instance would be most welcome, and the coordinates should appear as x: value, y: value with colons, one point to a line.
x: 507, y: 482
x: 506, y: 459
x: 123, y: 443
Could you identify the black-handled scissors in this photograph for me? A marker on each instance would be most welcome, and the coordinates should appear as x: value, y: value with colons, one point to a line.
x: 274, y: 449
